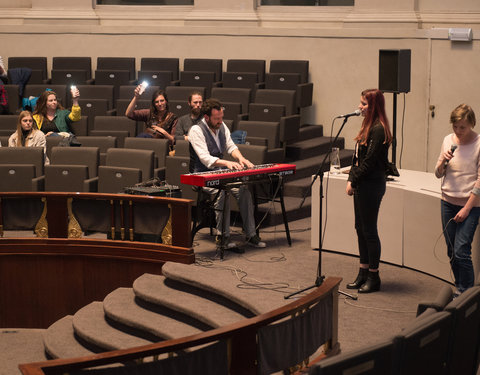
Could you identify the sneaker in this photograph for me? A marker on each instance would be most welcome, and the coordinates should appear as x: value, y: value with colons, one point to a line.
x: 230, y: 245
x: 256, y: 241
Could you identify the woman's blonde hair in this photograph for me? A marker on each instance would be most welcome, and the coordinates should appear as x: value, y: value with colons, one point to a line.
x: 463, y: 112
x: 21, y: 139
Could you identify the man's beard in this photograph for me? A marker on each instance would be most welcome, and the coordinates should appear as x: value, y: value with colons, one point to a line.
x: 196, y: 112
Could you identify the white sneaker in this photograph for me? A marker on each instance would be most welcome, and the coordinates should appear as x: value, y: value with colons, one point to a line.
x: 256, y: 241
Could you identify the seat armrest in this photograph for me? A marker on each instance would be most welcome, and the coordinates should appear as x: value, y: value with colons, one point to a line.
x: 90, y: 184
x: 289, y: 128
x: 112, y: 112
x: 160, y: 173
x: 304, y: 94
x: 256, y: 141
x: 38, y: 183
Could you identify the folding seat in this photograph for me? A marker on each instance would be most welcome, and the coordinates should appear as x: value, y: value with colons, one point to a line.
x: 179, y: 107
x: 95, y: 100
x: 61, y: 90
x: 247, y: 65
x: 118, y: 126
x: 4, y: 140
x: 234, y: 100
x: 159, y: 71
x: 22, y: 169
x: 159, y: 146
x: 13, y: 98
x: 204, y: 65
x: 277, y: 105
x: 182, y: 93
x: 116, y: 71
x: 8, y: 125
x: 176, y: 166
x: 124, y: 168
x: 102, y: 142
x: 38, y: 65
x: 264, y: 133
x: 72, y: 70
x: 72, y: 169
x: 291, y: 75
x: 80, y: 127
x: 244, y: 73
x: 199, y: 79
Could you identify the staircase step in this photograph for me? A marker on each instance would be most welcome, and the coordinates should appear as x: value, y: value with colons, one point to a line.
x: 309, y: 132
x: 90, y: 324
x: 121, y: 306
x: 158, y: 290
x: 311, y: 147
x: 20, y: 346
x: 207, y: 278
x: 60, y: 341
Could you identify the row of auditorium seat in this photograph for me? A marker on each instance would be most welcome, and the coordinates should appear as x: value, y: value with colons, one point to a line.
x: 98, y: 165
x: 163, y: 72
x: 443, y: 339
x: 270, y: 119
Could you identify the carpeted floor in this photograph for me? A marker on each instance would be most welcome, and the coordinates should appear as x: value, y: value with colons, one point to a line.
x: 279, y: 270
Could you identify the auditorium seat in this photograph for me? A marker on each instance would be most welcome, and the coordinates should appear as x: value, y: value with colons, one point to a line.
x: 38, y: 65
x: 159, y: 146
x: 8, y: 125
x: 13, y: 98
x: 96, y: 100
x: 72, y: 169
x: 291, y: 75
x: 199, y: 79
x: 264, y: 133
x: 117, y: 126
x: 182, y: 93
x: 80, y: 127
x: 115, y: 71
x: 22, y: 169
x: 247, y: 65
x: 178, y: 165
x: 243, y: 73
x: 204, y: 65
x: 38, y: 89
x: 72, y: 70
x: 124, y: 167
x: 102, y: 142
x: 154, y: 65
x: 179, y: 107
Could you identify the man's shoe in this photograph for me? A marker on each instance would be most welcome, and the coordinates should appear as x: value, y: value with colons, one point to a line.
x: 255, y: 241
x: 228, y: 245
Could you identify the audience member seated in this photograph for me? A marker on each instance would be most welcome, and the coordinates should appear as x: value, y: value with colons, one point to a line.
x: 51, y: 118
x: 27, y: 135
x: 185, y: 122
x: 159, y: 121
x: 3, y: 100
x: 210, y: 142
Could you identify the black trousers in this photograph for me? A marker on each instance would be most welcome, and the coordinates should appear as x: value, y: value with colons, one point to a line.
x: 366, y: 200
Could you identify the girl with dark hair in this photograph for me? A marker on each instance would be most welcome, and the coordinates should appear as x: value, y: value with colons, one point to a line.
x: 159, y: 121
x: 51, y: 118
x: 458, y: 166
x: 367, y: 184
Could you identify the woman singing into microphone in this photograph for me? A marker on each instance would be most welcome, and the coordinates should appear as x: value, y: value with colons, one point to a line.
x: 367, y: 184
x: 459, y: 167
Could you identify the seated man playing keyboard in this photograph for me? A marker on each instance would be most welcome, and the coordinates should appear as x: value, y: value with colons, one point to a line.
x: 210, y: 140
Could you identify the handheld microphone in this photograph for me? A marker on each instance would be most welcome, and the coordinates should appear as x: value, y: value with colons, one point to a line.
x: 452, y: 149
x: 355, y: 113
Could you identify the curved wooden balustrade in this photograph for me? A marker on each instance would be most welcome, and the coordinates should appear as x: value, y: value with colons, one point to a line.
x: 45, y: 278
x: 242, y: 338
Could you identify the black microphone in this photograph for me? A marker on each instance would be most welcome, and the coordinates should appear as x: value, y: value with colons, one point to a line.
x: 356, y: 113
x: 452, y: 149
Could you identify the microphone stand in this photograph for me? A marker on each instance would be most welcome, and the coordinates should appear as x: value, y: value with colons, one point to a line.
x: 320, y: 277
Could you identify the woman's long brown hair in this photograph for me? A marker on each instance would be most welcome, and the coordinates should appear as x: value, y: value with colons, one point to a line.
x: 41, y: 107
x: 20, y: 138
x: 375, y: 112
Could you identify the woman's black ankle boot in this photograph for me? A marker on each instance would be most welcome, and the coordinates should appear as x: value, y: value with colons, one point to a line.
x: 372, y: 284
x: 360, y: 280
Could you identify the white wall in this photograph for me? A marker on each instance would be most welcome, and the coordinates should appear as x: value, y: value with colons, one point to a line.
x: 341, y: 44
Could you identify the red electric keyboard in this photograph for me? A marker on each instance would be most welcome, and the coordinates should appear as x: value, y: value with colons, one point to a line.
x: 220, y: 177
